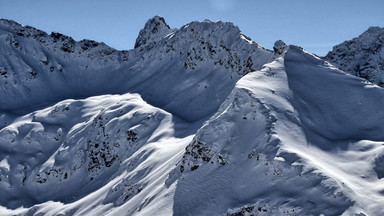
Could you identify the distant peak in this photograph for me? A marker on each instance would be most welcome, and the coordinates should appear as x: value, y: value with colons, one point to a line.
x: 362, y: 56
x: 157, y: 19
x: 374, y: 32
x: 9, y: 22
x: 154, y: 29
x: 375, y: 29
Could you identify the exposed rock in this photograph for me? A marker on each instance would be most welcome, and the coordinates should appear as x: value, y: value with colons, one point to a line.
x: 362, y: 56
x: 154, y: 30
x: 279, y: 47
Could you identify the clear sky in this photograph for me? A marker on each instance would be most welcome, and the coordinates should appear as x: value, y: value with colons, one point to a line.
x: 314, y: 25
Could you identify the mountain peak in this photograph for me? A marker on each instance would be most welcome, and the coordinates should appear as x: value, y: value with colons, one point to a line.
x: 154, y: 29
x: 196, y: 114
x: 7, y: 22
x: 279, y: 47
x: 362, y: 56
x: 372, y: 36
x: 374, y: 29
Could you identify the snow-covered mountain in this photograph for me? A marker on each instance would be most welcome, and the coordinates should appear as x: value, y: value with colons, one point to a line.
x: 197, y: 65
x: 198, y: 120
x: 362, y: 56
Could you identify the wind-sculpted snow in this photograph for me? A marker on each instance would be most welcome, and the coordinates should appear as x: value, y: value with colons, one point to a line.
x: 65, y: 151
x: 362, y: 56
x: 213, y: 124
x: 349, y: 108
x: 277, y: 148
x: 197, y: 65
x: 256, y: 175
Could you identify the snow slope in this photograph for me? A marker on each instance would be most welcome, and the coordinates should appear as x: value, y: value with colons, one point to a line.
x: 111, y: 132
x: 277, y: 148
x: 197, y: 65
x: 80, y: 153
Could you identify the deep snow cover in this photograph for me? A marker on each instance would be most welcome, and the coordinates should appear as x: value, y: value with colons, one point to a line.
x: 198, y: 120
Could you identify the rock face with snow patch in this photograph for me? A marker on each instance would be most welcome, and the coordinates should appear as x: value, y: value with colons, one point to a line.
x: 362, y: 56
x: 279, y: 47
x: 154, y: 30
x: 81, y: 150
x: 200, y: 62
x: 253, y: 148
x: 217, y: 126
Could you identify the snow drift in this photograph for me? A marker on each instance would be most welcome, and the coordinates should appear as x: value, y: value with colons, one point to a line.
x: 198, y: 120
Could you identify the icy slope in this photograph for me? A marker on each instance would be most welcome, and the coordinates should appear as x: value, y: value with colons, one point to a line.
x: 362, y: 56
x: 299, y: 138
x: 197, y: 65
x: 110, y: 151
x: 295, y: 136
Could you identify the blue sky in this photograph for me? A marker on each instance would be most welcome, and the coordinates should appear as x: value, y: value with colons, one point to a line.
x: 314, y: 25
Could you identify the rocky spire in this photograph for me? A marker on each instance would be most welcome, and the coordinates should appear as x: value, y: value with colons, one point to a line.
x: 279, y: 47
x: 154, y: 30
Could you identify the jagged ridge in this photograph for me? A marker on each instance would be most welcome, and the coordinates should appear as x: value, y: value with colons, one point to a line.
x: 362, y: 56
x: 285, y: 141
x: 216, y: 53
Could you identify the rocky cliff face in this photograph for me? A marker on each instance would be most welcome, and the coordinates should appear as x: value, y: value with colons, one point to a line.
x: 362, y: 56
x: 198, y: 120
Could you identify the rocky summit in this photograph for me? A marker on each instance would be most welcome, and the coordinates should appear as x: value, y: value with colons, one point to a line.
x: 196, y: 120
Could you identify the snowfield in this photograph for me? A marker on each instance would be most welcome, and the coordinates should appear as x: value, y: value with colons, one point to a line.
x: 198, y: 120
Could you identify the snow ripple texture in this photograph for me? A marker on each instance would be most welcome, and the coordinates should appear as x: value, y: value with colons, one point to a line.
x: 198, y: 120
